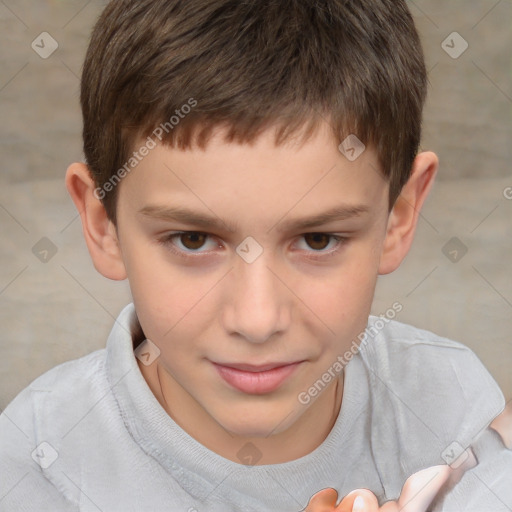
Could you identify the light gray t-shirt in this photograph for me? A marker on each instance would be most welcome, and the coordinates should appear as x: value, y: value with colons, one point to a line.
x: 89, y: 435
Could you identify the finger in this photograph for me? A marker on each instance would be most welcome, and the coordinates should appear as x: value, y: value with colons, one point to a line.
x: 390, y: 506
x: 503, y: 425
x: 366, y: 502
x: 421, y: 488
x: 323, y: 501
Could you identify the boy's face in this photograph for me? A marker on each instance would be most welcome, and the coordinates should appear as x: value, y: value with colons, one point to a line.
x: 212, y: 299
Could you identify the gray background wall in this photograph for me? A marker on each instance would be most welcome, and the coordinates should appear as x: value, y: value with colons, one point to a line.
x: 56, y: 310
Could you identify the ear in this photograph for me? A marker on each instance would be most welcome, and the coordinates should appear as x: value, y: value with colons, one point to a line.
x: 404, y: 215
x: 99, y: 231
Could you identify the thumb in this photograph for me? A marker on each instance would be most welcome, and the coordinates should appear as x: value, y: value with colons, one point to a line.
x: 323, y: 501
x: 360, y: 500
x: 421, y: 488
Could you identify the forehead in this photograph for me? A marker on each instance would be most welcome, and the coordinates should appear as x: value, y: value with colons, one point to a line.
x: 240, y: 180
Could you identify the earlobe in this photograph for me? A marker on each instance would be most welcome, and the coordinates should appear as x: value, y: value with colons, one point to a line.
x: 99, y: 232
x: 403, y: 218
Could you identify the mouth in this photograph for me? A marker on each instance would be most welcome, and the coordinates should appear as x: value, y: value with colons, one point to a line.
x: 256, y: 379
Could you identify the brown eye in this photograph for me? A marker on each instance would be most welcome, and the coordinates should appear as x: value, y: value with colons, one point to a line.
x: 189, y: 244
x: 193, y: 241
x: 317, y: 241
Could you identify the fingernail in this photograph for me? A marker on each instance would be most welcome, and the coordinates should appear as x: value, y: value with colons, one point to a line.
x: 358, y: 505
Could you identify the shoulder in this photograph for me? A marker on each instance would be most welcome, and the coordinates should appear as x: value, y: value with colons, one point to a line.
x: 391, y: 336
x: 64, y: 381
x: 406, y: 355
x: 430, y: 396
x: 75, y: 372
x: 32, y: 423
x: 51, y: 398
x: 420, y: 365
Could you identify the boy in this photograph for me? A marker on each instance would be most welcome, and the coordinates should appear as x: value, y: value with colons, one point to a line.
x: 252, y: 167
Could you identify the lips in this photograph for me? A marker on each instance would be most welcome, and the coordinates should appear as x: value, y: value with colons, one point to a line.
x: 254, y: 368
x: 256, y: 379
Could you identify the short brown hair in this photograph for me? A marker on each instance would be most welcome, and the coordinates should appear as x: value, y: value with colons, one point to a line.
x: 250, y: 65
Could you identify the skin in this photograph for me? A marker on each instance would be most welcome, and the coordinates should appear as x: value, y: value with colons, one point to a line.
x: 418, y: 493
x: 295, y: 302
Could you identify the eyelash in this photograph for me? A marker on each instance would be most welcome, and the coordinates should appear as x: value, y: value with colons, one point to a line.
x: 167, y: 241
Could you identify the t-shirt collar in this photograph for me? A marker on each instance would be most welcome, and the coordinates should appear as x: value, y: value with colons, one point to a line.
x: 202, y: 472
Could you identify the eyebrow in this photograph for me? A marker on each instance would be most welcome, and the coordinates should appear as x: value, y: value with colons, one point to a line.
x: 207, y: 221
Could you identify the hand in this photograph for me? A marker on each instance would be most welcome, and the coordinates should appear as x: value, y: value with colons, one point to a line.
x: 503, y: 425
x: 418, y: 493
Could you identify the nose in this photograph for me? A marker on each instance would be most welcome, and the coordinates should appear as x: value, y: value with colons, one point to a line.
x: 258, y: 307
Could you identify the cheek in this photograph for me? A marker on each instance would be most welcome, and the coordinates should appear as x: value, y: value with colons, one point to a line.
x: 171, y: 302
x: 355, y: 273
x: 160, y: 295
x: 342, y: 297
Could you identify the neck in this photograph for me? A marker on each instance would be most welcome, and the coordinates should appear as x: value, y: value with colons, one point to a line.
x: 301, y: 438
